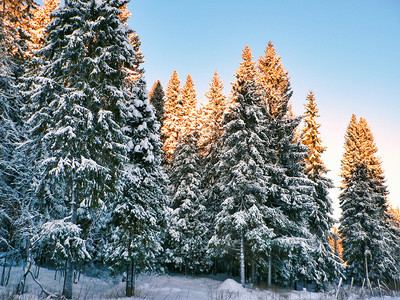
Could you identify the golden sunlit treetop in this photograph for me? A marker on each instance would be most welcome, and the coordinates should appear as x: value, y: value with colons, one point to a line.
x: 275, y: 82
x: 212, y: 114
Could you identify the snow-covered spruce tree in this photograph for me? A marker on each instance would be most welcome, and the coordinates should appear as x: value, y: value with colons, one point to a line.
x: 241, y: 181
x: 157, y: 98
x: 138, y: 215
x: 78, y: 102
x: 321, y: 221
x: 15, y: 173
x: 188, y: 232
x: 209, y: 143
x: 370, y: 241
x: 292, y: 255
x: 9, y: 137
x: 274, y: 81
x: 172, y: 118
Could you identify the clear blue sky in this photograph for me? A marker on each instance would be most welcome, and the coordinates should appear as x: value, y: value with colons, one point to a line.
x: 347, y: 52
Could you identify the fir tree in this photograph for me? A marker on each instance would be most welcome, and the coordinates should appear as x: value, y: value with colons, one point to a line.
x: 157, y: 98
x: 292, y: 255
x: 321, y: 220
x: 15, y: 173
x: 138, y: 215
x: 188, y: 230
x: 189, y: 107
x: 211, y: 115
x: 241, y: 180
x: 9, y: 137
x: 77, y: 101
x: 370, y: 242
x: 172, y: 117
x: 274, y: 81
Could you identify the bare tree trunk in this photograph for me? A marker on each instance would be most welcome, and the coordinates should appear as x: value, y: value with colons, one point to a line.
x: 253, y: 272
x: 269, y: 270
x: 3, y: 275
x: 69, y: 270
x: 68, y: 280
x: 242, y: 275
x: 129, y: 282
x: 130, y: 279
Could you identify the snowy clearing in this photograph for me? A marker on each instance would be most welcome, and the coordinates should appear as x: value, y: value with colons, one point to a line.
x: 158, y: 287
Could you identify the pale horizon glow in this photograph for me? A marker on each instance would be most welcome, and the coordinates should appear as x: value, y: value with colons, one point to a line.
x: 346, y: 52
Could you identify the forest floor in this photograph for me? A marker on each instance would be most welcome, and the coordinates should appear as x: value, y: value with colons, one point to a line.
x: 163, y: 287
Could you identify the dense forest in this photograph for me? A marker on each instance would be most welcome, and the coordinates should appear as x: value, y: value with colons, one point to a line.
x: 97, y: 171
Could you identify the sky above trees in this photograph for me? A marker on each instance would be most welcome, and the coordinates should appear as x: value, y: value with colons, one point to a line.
x: 346, y: 52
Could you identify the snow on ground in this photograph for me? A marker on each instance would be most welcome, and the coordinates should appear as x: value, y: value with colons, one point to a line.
x: 158, y: 287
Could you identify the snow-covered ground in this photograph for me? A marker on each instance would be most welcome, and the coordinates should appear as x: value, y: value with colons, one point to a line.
x: 158, y: 287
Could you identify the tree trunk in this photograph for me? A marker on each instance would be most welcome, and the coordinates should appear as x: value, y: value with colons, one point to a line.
x: 3, y: 276
x: 68, y: 280
x: 69, y: 270
x: 242, y: 275
x: 130, y: 279
x: 253, y: 272
x: 269, y: 270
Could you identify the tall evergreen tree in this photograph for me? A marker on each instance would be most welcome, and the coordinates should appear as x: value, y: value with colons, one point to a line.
x: 292, y: 254
x: 77, y: 99
x: 321, y: 220
x: 137, y: 216
x: 9, y: 137
x: 241, y: 180
x: 172, y: 117
x: 370, y: 242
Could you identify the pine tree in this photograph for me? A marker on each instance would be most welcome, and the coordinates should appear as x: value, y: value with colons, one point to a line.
x: 370, y: 242
x: 15, y: 174
x: 138, y: 215
x: 274, y: 81
x: 9, y: 136
x: 77, y: 99
x: 321, y: 220
x: 172, y: 117
x: 241, y: 180
x: 188, y: 231
x: 189, y: 107
x: 295, y: 260
x: 211, y: 115
x: 157, y: 98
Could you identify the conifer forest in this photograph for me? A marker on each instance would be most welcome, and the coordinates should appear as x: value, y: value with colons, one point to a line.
x: 99, y: 173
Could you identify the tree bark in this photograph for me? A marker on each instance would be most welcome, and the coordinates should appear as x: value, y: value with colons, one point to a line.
x: 69, y: 270
x: 269, y: 270
x: 242, y: 275
x: 130, y: 279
